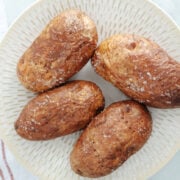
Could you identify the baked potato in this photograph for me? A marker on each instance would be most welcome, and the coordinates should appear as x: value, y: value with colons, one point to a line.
x: 111, y: 138
x: 60, y: 111
x: 60, y: 51
x: 140, y: 68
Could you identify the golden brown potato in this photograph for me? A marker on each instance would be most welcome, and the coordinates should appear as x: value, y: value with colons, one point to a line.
x: 61, y: 111
x: 60, y: 51
x: 110, y: 138
x: 140, y: 68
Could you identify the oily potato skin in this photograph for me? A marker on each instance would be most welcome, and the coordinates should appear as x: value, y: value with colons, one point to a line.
x: 110, y: 138
x: 61, y: 111
x: 60, y: 51
x: 140, y: 68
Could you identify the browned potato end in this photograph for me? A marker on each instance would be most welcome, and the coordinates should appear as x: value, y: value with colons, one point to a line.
x: 61, y: 111
x: 111, y: 138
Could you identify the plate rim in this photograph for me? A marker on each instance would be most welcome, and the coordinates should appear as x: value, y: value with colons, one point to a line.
x: 24, y: 163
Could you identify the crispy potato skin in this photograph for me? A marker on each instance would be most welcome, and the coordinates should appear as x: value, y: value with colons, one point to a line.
x: 140, y: 68
x: 110, y: 138
x: 60, y: 51
x: 61, y: 111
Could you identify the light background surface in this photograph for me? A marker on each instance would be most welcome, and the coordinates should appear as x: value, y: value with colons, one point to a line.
x: 12, y: 8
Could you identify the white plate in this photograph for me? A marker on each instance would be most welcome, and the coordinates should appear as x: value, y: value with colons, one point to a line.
x: 50, y: 159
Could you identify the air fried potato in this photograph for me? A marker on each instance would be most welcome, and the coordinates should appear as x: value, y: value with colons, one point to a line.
x: 61, y: 111
x: 111, y: 138
x: 140, y: 68
x: 60, y: 51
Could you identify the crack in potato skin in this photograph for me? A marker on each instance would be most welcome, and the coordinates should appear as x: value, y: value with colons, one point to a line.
x: 60, y: 51
x: 111, y: 138
x: 61, y: 111
x: 140, y: 68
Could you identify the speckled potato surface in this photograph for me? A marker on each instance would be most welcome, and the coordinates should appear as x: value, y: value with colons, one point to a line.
x: 60, y: 51
x: 140, y: 68
x: 110, y: 138
x: 61, y: 111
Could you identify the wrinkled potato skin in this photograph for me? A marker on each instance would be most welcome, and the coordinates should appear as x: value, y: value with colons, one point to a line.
x: 60, y: 51
x: 110, y: 138
x: 139, y: 68
x: 61, y: 111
